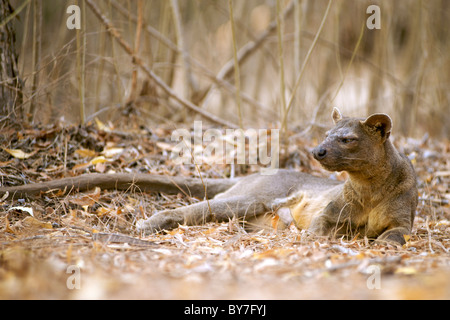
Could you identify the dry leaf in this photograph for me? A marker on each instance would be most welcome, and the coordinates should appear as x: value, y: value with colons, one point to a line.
x: 23, y: 209
x: 102, y: 126
x: 8, y: 227
x: 56, y: 192
x: 81, y: 166
x: 88, y: 199
x: 100, y: 159
x: 86, y: 153
x: 111, y: 152
x: 19, y: 154
x: 31, y: 222
x: 260, y: 239
x: 100, y: 167
x: 102, y: 211
x: 164, y: 146
x: 5, y: 163
x: 406, y: 270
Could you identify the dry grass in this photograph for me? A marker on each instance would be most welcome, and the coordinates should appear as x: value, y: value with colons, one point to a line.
x: 150, y: 67
x: 189, y: 46
x: 95, y: 232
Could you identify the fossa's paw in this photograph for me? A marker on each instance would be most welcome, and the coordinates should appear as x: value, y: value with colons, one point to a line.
x: 288, y: 201
x: 164, y: 220
x: 393, y: 237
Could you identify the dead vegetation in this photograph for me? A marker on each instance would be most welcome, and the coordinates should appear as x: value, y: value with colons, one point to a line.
x: 138, y: 70
x: 42, y: 236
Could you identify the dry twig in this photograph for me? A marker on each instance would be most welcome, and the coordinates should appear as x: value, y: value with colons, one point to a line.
x: 157, y: 80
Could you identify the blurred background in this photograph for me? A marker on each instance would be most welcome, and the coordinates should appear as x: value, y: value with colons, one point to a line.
x: 249, y: 77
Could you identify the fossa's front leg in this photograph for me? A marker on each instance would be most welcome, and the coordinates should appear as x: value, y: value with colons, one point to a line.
x: 395, y: 219
x: 334, y: 219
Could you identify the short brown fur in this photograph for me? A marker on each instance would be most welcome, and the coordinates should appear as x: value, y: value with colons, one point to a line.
x: 378, y: 200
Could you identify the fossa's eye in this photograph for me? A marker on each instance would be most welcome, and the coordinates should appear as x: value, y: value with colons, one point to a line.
x: 347, y: 140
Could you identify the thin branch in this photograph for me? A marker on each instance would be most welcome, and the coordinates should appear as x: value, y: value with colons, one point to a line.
x: 305, y: 62
x: 237, y: 76
x: 217, y: 81
x: 189, y: 80
x: 158, y: 81
x: 252, y: 46
x: 81, y: 67
x: 280, y: 31
x: 351, y: 60
x: 15, y: 13
x: 37, y: 48
x: 248, y: 49
x: 137, y: 45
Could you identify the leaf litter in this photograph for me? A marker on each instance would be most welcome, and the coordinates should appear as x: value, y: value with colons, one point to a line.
x: 41, y: 237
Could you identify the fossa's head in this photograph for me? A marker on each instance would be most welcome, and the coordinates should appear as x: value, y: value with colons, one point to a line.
x: 354, y: 144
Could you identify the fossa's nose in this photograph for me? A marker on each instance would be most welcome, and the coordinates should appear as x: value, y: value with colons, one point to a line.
x: 319, y: 153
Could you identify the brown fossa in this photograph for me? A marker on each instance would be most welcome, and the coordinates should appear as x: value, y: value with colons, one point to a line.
x: 378, y: 200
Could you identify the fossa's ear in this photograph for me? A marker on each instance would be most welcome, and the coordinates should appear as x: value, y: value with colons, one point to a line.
x: 336, y: 115
x: 379, y: 123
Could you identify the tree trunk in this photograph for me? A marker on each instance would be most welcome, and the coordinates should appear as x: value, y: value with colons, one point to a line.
x: 10, y: 83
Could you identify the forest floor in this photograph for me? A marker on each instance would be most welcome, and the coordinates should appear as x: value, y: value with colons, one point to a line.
x: 60, y: 246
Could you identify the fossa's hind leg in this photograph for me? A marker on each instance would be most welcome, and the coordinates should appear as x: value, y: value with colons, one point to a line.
x: 251, y: 197
x: 218, y: 210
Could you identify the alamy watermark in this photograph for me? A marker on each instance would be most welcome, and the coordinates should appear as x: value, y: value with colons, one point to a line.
x: 374, y: 21
x: 374, y: 279
x: 74, y: 280
x: 250, y: 146
x: 74, y: 19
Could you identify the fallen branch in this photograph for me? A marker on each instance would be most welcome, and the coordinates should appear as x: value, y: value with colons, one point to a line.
x: 108, y: 238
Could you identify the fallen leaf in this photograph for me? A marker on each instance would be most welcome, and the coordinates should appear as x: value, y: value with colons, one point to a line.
x: 31, y: 222
x: 111, y: 152
x: 260, y: 239
x: 406, y: 270
x: 5, y: 163
x: 23, y: 209
x: 272, y: 253
x: 19, y: 154
x: 8, y: 227
x: 88, y: 199
x: 102, y: 126
x: 100, y: 167
x: 269, y: 262
x: 56, y: 192
x: 81, y: 166
x: 100, y: 159
x: 164, y: 146
x: 102, y: 211
x: 86, y: 153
